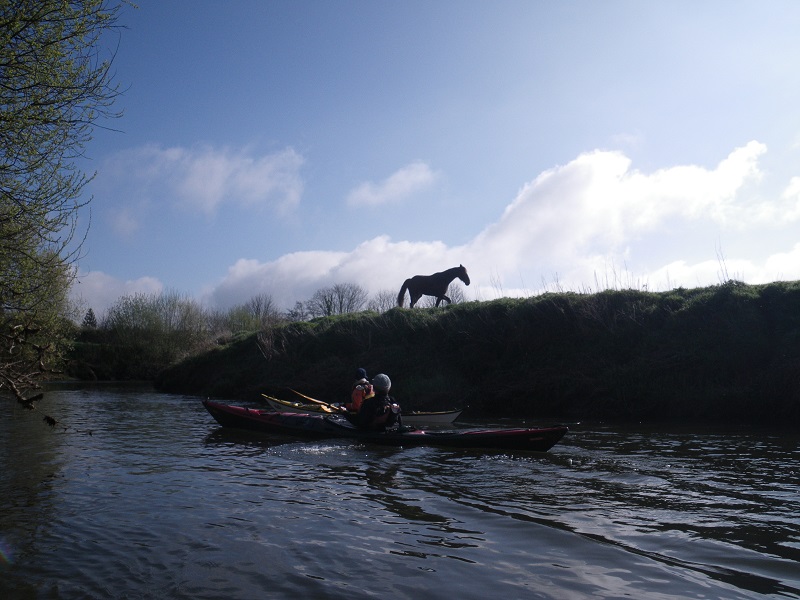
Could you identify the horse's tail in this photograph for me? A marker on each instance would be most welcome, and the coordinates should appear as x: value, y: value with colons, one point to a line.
x: 401, y: 295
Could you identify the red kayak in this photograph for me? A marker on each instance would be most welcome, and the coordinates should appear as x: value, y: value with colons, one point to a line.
x: 336, y: 426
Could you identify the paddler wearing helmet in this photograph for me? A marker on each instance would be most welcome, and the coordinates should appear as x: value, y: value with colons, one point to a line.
x: 379, y: 411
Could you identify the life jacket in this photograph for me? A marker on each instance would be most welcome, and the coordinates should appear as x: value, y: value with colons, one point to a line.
x: 379, y: 413
x: 361, y: 391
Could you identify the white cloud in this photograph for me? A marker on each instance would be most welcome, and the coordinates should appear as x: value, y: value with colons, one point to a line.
x: 789, y: 208
x: 792, y: 191
x: 206, y: 177
x: 397, y: 187
x: 628, y: 140
x: 125, y: 221
x: 203, y: 178
x: 297, y: 273
x: 375, y: 265
x: 597, y: 204
x: 591, y: 223
x: 99, y: 291
x: 681, y: 273
x: 781, y: 265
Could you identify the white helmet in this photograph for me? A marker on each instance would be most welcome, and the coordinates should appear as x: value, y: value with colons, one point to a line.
x: 382, y: 382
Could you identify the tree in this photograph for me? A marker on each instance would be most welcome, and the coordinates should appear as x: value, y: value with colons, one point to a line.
x: 383, y: 301
x: 340, y: 299
x: 89, y: 320
x: 256, y: 314
x: 298, y: 313
x: 263, y: 310
x: 55, y: 86
x: 148, y: 332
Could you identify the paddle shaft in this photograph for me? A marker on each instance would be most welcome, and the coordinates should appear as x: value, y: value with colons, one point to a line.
x: 323, y: 403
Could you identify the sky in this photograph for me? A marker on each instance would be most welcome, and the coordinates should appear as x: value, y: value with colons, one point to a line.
x: 276, y: 147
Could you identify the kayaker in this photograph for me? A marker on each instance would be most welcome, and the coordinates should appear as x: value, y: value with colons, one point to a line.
x: 361, y: 390
x: 380, y: 410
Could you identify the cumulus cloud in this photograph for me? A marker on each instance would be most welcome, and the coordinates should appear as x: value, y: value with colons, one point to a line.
x: 398, y: 186
x: 296, y: 273
x: 125, y: 221
x: 206, y: 177
x: 199, y: 179
x: 597, y: 203
x: 567, y: 224
x: 593, y: 214
x: 99, y: 291
x: 375, y: 265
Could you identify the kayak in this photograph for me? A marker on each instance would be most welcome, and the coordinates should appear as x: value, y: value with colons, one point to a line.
x: 409, y: 418
x: 337, y: 426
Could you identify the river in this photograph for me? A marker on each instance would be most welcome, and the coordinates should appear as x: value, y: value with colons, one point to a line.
x: 138, y: 494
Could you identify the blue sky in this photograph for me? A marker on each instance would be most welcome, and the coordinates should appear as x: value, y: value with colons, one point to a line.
x: 276, y: 147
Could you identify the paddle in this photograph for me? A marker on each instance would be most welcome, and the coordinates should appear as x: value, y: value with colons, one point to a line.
x: 324, y: 408
x: 328, y: 404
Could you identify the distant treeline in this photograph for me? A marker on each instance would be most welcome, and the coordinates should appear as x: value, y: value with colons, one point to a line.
x: 142, y: 334
x: 725, y: 353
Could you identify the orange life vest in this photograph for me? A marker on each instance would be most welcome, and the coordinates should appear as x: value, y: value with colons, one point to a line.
x: 361, y: 392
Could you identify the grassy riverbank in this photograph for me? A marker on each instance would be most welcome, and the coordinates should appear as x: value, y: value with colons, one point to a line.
x: 718, y: 354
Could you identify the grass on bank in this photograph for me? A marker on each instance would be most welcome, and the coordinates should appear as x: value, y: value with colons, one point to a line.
x: 722, y: 353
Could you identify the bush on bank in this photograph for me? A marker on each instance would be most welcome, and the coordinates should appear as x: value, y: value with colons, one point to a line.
x: 726, y: 353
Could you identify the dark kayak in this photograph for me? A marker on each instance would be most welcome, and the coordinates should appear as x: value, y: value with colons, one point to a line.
x: 335, y: 426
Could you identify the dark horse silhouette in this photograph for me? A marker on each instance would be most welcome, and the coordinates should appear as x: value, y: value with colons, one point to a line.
x: 431, y: 285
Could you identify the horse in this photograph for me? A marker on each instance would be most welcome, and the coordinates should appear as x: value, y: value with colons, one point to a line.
x: 431, y: 285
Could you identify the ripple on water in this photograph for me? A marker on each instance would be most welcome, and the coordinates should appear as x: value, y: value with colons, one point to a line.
x: 159, y: 502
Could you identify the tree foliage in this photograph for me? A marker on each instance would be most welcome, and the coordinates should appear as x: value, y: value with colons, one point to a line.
x: 257, y: 313
x: 34, y: 338
x: 383, y: 301
x: 55, y: 86
x: 141, y: 334
x: 340, y: 299
x: 298, y: 313
x: 147, y: 332
x: 89, y: 319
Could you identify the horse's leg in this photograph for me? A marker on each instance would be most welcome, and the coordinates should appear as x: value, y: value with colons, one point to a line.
x: 414, y: 297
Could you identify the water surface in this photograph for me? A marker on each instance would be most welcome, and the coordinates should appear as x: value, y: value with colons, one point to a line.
x: 142, y: 495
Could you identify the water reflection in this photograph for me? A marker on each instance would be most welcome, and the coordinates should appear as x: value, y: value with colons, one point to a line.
x: 160, y: 501
x: 27, y: 487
